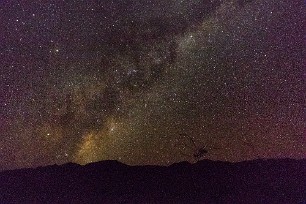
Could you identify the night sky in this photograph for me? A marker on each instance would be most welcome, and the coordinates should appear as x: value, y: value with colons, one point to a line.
x: 129, y: 80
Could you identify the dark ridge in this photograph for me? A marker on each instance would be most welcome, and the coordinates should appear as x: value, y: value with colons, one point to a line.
x: 258, y: 181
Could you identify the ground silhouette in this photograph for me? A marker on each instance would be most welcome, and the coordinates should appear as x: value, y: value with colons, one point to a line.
x: 257, y: 181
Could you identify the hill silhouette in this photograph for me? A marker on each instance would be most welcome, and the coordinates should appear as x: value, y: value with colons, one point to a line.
x: 257, y: 181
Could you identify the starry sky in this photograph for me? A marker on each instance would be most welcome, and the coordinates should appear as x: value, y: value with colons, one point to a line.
x: 84, y: 81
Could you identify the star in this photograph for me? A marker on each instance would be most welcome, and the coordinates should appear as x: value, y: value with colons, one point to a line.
x: 136, y: 81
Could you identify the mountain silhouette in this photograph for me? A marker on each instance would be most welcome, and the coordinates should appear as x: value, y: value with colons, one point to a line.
x: 258, y: 181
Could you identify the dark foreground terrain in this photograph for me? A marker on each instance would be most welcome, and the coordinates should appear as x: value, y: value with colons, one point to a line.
x: 258, y: 181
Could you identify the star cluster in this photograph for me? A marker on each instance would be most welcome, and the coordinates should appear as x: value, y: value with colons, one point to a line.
x: 83, y: 81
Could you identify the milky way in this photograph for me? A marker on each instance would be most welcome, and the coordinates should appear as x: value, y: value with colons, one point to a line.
x: 83, y: 81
